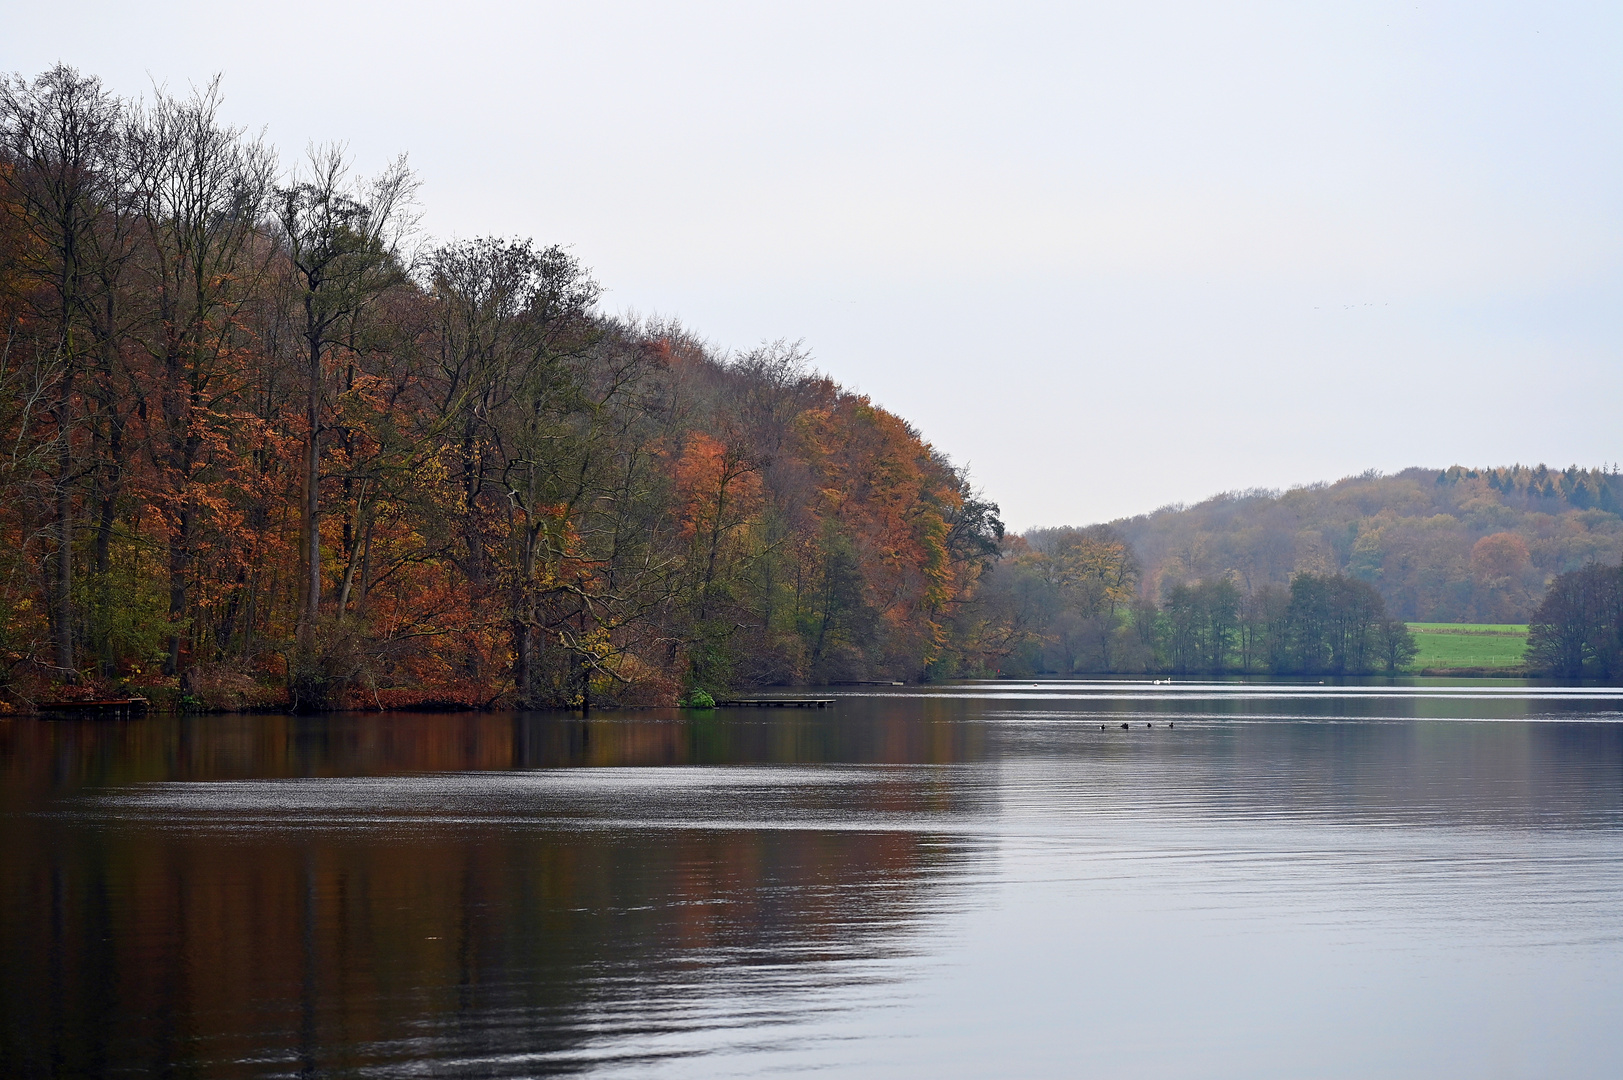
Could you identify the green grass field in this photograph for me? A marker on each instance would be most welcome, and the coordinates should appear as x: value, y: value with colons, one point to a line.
x: 1469, y: 645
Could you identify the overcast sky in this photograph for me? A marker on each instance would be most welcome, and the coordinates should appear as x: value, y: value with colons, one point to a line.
x: 1110, y: 256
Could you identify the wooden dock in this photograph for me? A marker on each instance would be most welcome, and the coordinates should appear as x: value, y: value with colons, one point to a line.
x: 775, y: 703
x: 108, y: 708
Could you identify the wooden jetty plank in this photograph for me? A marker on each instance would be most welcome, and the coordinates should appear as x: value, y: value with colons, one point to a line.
x: 134, y: 706
x: 776, y: 703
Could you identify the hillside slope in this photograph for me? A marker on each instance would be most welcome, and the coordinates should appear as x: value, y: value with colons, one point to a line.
x: 1451, y: 545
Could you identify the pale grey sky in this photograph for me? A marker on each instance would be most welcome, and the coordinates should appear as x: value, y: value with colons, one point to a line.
x: 1109, y: 255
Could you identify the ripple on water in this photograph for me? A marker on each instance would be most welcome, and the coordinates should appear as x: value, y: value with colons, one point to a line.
x: 1339, y: 882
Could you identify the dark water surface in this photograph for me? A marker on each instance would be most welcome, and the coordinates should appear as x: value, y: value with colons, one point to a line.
x: 973, y: 881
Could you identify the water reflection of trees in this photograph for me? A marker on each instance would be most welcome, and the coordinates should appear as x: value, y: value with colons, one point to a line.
x: 40, y: 757
x: 140, y: 942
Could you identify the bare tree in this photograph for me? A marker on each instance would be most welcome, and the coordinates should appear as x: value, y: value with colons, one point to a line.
x: 202, y: 190
x: 1578, y: 627
x: 61, y: 136
x: 343, y: 241
x: 516, y: 330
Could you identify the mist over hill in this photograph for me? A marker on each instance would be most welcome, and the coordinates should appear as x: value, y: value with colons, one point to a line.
x: 1450, y: 545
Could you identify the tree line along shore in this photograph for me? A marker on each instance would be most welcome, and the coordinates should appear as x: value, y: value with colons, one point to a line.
x: 268, y: 446
x: 1076, y: 602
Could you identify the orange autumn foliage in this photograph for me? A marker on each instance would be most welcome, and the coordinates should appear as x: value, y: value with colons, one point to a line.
x: 508, y: 497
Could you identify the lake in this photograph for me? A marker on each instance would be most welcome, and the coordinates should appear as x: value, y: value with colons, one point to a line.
x: 978, y: 880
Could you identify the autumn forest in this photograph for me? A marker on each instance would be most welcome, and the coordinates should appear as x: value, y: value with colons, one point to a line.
x: 268, y: 445
x: 265, y: 443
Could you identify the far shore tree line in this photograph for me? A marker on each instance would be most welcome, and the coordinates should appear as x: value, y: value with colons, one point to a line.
x: 1071, y: 601
x: 1075, y: 601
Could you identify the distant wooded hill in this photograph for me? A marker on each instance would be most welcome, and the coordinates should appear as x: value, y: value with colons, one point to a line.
x: 1451, y: 545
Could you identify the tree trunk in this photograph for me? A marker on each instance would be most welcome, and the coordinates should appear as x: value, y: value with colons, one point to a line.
x: 310, y: 511
x: 62, y: 600
x: 360, y: 540
x: 179, y: 558
x: 524, y: 622
x: 523, y: 663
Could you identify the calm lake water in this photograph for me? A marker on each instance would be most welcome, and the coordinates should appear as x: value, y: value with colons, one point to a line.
x: 990, y: 880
